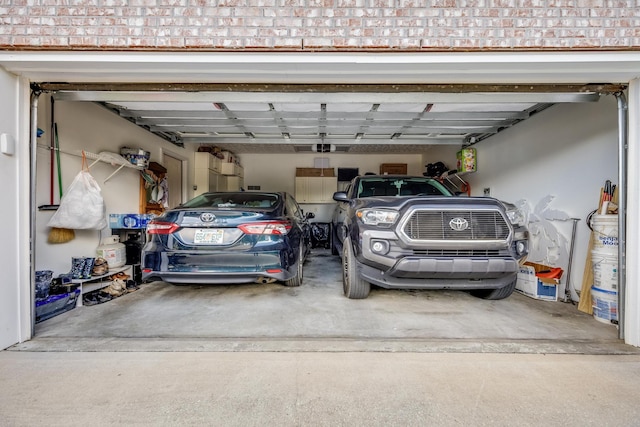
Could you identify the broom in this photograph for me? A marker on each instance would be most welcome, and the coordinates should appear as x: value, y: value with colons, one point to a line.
x: 59, y: 235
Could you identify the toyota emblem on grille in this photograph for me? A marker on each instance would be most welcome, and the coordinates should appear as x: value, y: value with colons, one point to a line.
x: 207, y: 217
x: 459, y: 224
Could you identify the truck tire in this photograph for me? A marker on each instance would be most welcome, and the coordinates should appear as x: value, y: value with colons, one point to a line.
x: 495, y: 294
x: 353, y: 285
x: 332, y: 240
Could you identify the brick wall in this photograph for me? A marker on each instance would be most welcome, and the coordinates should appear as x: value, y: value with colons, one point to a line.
x: 442, y: 25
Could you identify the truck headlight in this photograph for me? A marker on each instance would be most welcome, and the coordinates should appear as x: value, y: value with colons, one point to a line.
x: 377, y: 216
x: 515, y: 215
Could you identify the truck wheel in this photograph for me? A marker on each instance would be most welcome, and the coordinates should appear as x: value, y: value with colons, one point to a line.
x: 354, y: 286
x: 332, y: 240
x: 495, y: 294
x: 297, y: 279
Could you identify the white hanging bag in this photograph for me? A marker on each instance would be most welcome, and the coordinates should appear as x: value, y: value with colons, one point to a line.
x: 82, y: 206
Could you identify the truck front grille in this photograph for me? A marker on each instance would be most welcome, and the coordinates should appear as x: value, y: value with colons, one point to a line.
x: 456, y: 225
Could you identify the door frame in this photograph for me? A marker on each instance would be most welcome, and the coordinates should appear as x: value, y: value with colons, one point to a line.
x: 185, y: 171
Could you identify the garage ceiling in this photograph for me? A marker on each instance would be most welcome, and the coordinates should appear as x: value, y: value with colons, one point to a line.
x: 306, y: 118
x: 302, y: 127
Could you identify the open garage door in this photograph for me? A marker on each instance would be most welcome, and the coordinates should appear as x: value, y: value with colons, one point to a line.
x: 351, y: 118
x: 294, y: 119
x: 585, y: 124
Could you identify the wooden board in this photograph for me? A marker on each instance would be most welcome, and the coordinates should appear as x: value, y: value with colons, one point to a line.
x: 586, y: 304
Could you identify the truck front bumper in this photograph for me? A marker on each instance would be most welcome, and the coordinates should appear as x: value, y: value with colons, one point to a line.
x: 395, y: 266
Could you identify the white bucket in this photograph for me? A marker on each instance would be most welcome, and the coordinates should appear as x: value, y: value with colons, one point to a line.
x: 605, y: 269
x: 605, y: 305
x: 605, y: 228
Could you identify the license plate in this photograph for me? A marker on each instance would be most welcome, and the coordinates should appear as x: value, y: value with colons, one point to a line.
x: 208, y: 237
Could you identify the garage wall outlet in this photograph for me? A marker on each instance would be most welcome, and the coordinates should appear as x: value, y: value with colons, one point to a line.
x: 7, y: 144
x: 487, y: 191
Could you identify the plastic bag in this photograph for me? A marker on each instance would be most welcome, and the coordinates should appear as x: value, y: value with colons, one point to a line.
x: 82, y: 206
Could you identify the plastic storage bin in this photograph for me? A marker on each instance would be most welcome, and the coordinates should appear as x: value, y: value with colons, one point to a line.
x: 56, y: 304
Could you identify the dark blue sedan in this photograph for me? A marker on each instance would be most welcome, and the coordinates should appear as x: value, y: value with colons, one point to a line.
x: 229, y: 237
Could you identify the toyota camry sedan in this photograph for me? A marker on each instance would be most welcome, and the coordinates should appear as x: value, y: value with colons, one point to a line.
x: 229, y: 237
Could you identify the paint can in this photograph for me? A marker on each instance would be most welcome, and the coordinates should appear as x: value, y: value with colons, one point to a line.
x: 605, y: 228
x: 605, y: 269
x: 605, y: 305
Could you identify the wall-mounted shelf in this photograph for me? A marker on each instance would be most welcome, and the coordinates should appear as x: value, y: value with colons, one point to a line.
x: 114, y: 159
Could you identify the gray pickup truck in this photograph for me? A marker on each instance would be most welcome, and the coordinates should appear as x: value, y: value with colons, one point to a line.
x: 404, y: 232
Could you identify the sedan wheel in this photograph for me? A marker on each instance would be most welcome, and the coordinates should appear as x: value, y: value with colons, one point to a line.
x: 297, y: 279
x: 354, y: 286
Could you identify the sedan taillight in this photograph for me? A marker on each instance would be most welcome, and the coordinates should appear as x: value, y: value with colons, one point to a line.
x: 160, y: 227
x: 266, y: 227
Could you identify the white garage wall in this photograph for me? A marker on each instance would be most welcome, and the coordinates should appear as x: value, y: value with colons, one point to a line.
x: 276, y: 172
x: 89, y: 127
x: 566, y: 151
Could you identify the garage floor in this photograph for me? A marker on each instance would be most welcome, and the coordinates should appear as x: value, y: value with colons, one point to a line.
x: 317, y: 317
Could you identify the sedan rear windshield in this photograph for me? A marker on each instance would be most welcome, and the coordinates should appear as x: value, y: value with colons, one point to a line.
x: 233, y: 200
x: 369, y: 187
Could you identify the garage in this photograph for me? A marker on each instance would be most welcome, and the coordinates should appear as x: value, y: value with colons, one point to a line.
x: 526, y: 153
x: 547, y: 93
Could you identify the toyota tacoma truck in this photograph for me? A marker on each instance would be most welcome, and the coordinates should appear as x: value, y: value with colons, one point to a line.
x: 404, y: 232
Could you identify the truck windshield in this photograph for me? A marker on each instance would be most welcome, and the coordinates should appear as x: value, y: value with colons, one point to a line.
x: 382, y: 186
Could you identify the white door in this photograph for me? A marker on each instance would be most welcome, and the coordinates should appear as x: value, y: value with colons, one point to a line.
x: 174, y: 179
x: 15, y: 285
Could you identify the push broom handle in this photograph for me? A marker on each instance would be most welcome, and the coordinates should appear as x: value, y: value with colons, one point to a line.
x: 55, y: 131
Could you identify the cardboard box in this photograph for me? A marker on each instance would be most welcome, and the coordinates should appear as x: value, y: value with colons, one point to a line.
x: 536, y: 287
x: 315, y: 172
x: 393, y: 169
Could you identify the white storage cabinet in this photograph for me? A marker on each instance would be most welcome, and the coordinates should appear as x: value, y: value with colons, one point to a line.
x: 312, y: 189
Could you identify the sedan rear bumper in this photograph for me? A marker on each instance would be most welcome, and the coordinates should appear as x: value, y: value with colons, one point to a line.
x: 217, y: 267
x: 214, y: 278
